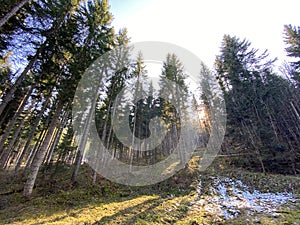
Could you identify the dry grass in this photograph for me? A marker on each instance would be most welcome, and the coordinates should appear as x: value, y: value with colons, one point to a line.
x: 57, y: 201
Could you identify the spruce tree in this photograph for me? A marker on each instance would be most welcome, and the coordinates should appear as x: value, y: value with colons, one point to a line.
x: 292, y: 39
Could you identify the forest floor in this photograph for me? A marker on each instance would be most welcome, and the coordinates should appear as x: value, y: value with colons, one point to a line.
x: 217, y: 196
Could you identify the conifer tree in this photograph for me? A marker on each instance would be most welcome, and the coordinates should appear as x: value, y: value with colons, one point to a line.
x: 292, y: 39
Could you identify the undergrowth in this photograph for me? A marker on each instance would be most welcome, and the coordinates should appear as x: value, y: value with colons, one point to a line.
x: 56, y: 200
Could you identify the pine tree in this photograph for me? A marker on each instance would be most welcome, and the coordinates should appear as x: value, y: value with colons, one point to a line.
x: 255, y: 99
x: 174, y: 94
x: 292, y: 39
x: 241, y: 73
x: 72, y: 52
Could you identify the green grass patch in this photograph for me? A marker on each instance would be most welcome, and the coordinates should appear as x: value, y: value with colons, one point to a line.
x: 56, y: 200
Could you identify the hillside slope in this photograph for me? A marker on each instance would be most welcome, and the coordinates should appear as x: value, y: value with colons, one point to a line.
x: 217, y: 196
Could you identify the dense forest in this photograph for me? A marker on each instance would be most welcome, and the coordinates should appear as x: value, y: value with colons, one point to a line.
x: 45, y: 49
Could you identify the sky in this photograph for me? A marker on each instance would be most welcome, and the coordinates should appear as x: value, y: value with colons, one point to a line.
x: 199, y: 26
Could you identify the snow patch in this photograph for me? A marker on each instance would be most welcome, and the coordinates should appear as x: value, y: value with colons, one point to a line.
x: 228, y: 197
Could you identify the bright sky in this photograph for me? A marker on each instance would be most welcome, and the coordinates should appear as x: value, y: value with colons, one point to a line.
x: 199, y: 25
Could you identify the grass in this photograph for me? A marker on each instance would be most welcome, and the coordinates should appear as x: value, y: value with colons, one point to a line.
x: 57, y: 201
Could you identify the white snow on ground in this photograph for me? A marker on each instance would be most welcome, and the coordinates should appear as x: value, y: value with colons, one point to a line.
x: 227, y: 197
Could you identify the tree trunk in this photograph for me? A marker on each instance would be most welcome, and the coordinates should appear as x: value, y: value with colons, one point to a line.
x: 40, y: 52
x: 14, y: 156
x: 84, y: 138
x: 57, y: 137
x: 32, y: 132
x: 14, y: 138
x: 14, y: 119
x: 8, y: 96
x: 6, y: 153
x: 39, y: 157
x: 35, y: 149
x: 94, y: 177
x: 14, y: 10
x: 50, y: 146
x: 78, y: 161
x: 3, y: 117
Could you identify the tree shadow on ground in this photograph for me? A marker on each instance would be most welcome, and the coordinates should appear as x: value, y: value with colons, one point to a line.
x: 130, y: 214
x: 56, y: 201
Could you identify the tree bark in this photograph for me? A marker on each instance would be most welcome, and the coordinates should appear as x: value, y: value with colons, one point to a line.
x: 14, y: 10
x: 14, y: 119
x: 35, y: 149
x: 8, y: 96
x: 6, y: 154
x: 84, y: 138
x: 57, y: 137
x: 39, y: 157
x: 32, y: 132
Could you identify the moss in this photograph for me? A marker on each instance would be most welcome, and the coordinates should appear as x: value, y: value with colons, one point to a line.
x: 57, y: 201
